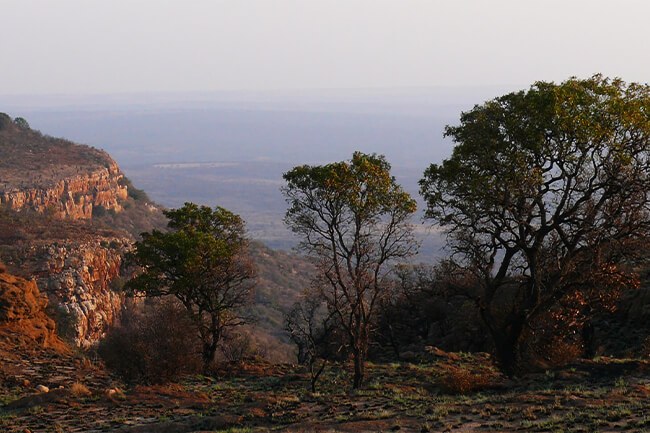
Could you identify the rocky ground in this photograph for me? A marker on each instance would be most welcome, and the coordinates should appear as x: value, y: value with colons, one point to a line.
x: 45, y: 386
x: 602, y: 395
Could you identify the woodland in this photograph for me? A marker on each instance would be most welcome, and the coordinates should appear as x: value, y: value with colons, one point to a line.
x: 536, y: 319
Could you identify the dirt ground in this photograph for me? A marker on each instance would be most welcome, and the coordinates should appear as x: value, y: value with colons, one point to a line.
x: 608, y: 395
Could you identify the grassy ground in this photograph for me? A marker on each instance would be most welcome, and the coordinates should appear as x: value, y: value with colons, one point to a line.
x: 602, y: 395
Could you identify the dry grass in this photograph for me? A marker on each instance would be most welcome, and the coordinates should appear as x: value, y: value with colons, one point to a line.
x: 79, y: 389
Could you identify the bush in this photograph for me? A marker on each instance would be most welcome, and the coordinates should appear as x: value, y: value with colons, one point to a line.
x: 66, y: 322
x: 99, y: 211
x: 237, y: 347
x: 462, y: 379
x: 154, y: 343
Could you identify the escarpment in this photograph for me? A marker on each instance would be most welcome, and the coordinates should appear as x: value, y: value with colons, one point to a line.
x: 75, y: 197
x: 66, y: 219
x: 55, y: 176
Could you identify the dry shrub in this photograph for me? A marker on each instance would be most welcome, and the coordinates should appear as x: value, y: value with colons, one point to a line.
x: 79, y: 389
x: 561, y: 352
x: 154, y: 343
x: 239, y: 346
x: 462, y: 379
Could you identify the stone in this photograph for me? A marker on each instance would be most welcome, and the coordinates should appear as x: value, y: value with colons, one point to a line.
x: 22, y: 310
x: 42, y: 388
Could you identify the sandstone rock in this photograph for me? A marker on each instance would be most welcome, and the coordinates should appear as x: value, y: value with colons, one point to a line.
x: 77, y: 278
x: 42, y: 388
x: 73, y: 197
x: 22, y: 310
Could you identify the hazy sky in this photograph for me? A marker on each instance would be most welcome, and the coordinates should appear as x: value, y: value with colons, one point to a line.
x: 89, y: 47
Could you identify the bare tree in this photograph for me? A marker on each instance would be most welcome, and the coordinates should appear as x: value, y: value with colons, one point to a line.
x: 314, y: 332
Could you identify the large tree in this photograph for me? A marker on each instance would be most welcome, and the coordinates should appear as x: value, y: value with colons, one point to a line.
x: 543, y: 197
x: 352, y: 218
x: 202, y: 261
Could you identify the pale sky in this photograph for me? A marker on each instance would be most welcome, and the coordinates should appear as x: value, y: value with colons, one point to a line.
x: 125, y: 46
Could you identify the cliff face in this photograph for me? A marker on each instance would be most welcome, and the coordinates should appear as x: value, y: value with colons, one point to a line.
x: 78, y: 278
x: 73, y: 197
x: 65, y: 221
x: 22, y: 312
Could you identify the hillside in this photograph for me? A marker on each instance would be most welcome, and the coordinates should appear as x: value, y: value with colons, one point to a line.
x: 68, y: 214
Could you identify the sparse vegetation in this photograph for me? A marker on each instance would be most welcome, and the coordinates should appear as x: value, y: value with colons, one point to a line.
x: 546, y: 203
x: 153, y: 343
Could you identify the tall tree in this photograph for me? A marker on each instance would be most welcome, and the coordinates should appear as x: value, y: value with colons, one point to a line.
x: 545, y: 189
x: 352, y: 218
x: 203, y: 261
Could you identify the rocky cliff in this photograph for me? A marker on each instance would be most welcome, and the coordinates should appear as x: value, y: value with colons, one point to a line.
x: 73, y: 197
x: 66, y: 218
x: 78, y: 277
x: 53, y: 175
x: 22, y: 312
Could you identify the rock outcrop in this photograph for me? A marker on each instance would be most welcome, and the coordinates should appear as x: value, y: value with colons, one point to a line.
x: 56, y: 176
x: 78, y: 278
x: 22, y: 311
x: 73, y: 197
x: 65, y: 216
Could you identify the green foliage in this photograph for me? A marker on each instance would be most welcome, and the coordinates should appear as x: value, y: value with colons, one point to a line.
x: 203, y: 262
x: 99, y: 211
x: 21, y: 123
x: 5, y: 121
x: 544, y: 188
x: 352, y: 218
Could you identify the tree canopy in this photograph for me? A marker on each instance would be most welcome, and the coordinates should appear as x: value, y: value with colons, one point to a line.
x: 202, y: 261
x: 352, y: 218
x: 545, y: 189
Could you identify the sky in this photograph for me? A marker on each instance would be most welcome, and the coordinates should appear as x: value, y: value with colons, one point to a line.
x: 85, y: 47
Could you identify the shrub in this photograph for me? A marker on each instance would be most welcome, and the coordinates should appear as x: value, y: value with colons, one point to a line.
x: 5, y: 121
x: 462, y: 379
x: 154, y: 343
x: 239, y: 346
x: 645, y: 350
x: 99, y: 211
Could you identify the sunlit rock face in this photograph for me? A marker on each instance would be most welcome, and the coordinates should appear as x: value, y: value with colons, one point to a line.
x: 57, y: 189
x: 22, y: 311
x: 74, y: 197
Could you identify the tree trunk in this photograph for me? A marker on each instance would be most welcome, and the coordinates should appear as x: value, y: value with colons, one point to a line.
x: 506, y: 343
x: 506, y: 354
x: 208, y: 353
x: 359, y: 367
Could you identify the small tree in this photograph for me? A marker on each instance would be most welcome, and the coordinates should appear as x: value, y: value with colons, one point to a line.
x: 544, y: 188
x: 21, y: 122
x: 203, y: 261
x: 314, y: 332
x: 353, y: 220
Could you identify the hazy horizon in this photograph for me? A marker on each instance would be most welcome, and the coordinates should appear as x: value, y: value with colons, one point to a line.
x: 77, y: 47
